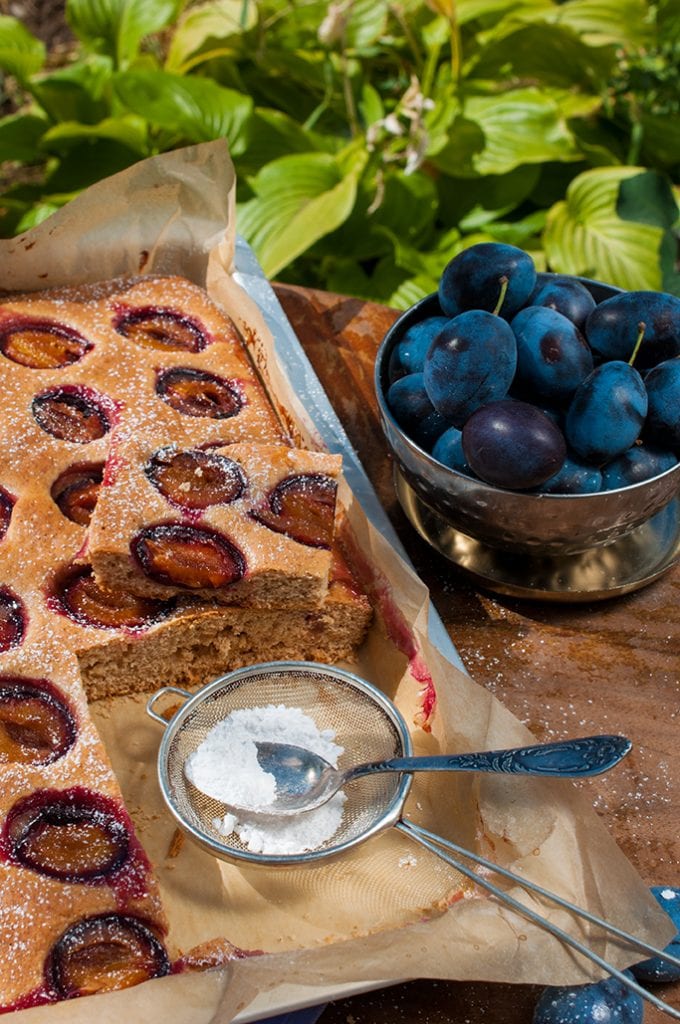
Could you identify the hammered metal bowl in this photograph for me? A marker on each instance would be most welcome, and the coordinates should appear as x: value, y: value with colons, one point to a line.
x: 539, y: 524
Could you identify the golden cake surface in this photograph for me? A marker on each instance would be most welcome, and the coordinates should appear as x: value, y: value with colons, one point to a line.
x: 87, y: 376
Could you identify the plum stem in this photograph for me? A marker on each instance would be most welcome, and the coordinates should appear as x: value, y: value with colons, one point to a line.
x: 641, y: 333
x: 501, y: 298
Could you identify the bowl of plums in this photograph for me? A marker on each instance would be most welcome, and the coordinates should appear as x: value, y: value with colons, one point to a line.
x: 534, y: 422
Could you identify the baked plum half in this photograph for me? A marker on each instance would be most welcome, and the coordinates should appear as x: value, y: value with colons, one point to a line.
x: 104, y: 952
x: 76, y: 593
x: 74, y: 835
x: 13, y: 620
x: 199, y: 393
x: 36, y: 724
x: 73, y: 413
x: 6, y: 506
x: 75, y: 491
x: 302, y: 507
x: 42, y: 344
x: 187, y: 556
x: 196, y: 478
x: 161, y: 327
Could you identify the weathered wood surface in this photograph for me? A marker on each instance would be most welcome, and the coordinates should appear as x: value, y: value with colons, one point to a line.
x: 564, y: 669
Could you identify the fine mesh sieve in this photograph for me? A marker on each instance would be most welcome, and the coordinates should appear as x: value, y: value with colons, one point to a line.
x: 369, y: 727
x: 365, y: 723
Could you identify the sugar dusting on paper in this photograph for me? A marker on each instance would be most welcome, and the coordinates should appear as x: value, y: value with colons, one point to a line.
x: 225, y: 767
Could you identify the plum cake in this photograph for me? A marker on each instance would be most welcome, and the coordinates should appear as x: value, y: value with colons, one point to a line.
x: 156, y: 526
x: 242, y: 524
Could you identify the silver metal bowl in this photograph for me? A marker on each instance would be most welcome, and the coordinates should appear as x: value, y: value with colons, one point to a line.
x: 539, y: 524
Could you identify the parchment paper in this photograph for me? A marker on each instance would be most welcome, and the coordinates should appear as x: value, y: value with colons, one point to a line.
x: 389, y: 910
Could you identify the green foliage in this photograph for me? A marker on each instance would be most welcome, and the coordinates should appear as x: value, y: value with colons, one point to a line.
x: 372, y: 139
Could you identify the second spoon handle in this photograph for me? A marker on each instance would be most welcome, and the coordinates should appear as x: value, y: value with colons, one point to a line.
x: 577, y: 758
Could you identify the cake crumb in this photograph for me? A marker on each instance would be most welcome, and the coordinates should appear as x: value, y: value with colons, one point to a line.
x: 176, y: 844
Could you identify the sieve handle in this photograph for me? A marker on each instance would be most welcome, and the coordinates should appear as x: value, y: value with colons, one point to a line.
x: 445, y: 848
x: 161, y: 693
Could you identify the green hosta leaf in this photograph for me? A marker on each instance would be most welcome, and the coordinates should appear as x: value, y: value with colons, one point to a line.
x: 668, y: 21
x: 20, y: 136
x: 371, y: 106
x: 197, y: 109
x: 524, y: 232
x: 76, y: 92
x: 21, y: 54
x: 130, y: 131
x: 298, y: 200
x: 427, y: 265
x: 585, y: 235
x: 86, y: 162
x: 271, y: 134
x: 366, y: 24
x: 661, y: 141
x: 601, y: 22
x: 472, y: 10
x: 408, y: 206
x: 485, y: 199
x: 36, y: 215
x: 498, y: 133
x: 648, y: 198
x: 388, y: 284
x: 205, y: 31
x: 552, y: 54
x: 405, y: 205
x: 117, y: 27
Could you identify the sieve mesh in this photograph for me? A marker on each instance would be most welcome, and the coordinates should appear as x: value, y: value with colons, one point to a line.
x: 364, y: 722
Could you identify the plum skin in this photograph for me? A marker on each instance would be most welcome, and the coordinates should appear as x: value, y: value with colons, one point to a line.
x: 573, y: 477
x: 604, y: 1002
x: 448, y: 449
x: 513, y: 445
x: 641, y: 462
x: 607, y: 412
x: 471, y: 362
x: 566, y: 295
x: 552, y: 354
x: 408, y: 355
x: 472, y: 279
x: 663, y: 414
x: 612, y: 327
x: 656, y: 969
x: 413, y: 410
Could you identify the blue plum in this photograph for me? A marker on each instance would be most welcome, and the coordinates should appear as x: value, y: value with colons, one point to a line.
x: 607, y: 412
x: 613, y: 327
x: 602, y: 1002
x: 568, y: 296
x: 471, y: 361
x: 448, y: 449
x: 414, y: 412
x: 641, y: 462
x: 663, y: 415
x: 552, y: 354
x: 474, y: 279
x: 655, y: 968
x: 574, y: 477
x: 513, y: 444
x: 408, y: 355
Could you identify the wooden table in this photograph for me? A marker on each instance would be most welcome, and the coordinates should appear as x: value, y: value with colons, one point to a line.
x: 563, y: 669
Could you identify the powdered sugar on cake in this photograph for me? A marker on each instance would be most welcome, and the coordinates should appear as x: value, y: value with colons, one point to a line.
x: 225, y: 767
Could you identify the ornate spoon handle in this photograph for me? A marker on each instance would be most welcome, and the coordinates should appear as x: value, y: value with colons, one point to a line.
x: 578, y: 758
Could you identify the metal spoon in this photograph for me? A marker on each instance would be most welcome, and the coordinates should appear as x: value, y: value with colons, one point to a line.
x: 304, y: 780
